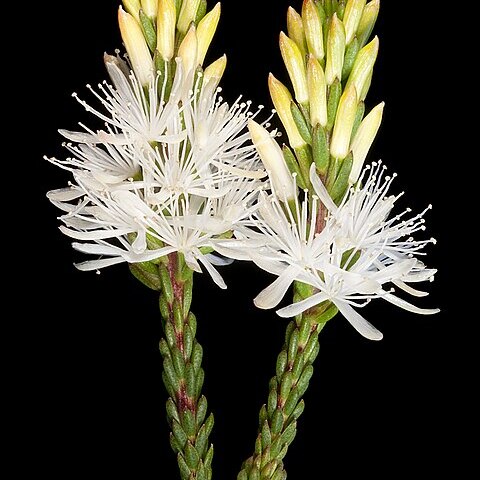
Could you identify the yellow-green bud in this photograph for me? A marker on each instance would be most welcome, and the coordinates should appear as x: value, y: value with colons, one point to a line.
x: 214, y: 72
x: 273, y: 160
x: 344, y: 121
x: 352, y: 16
x: 363, y: 66
x: 187, y: 15
x: 188, y: 50
x: 166, y: 27
x: 295, y: 29
x: 133, y: 8
x: 335, y: 50
x: 317, y: 89
x: 282, y: 100
x: 206, y: 30
x: 313, y: 29
x: 150, y: 8
x: 136, y: 46
x: 363, y: 140
x: 292, y: 56
x: 368, y: 20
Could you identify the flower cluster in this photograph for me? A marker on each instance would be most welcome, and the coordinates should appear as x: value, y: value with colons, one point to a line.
x: 173, y: 171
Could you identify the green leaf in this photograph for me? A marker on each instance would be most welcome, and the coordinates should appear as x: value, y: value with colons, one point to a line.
x: 272, y: 403
x: 174, y: 443
x: 304, y: 380
x: 305, y: 159
x: 289, y: 434
x: 184, y: 470
x: 147, y: 273
x: 199, y: 383
x: 302, y: 124
x: 293, y: 166
x: 209, y: 424
x: 334, y: 95
x: 266, y: 435
x: 293, y: 346
x: 172, y: 412
x: 191, y: 456
x: 202, y: 408
x: 277, y: 422
x: 341, y: 9
x: 286, y: 386
x: 164, y: 349
x: 263, y: 416
x: 321, y: 153
x: 178, y: 362
x: 187, y: 341
x: 149, y: 30
x: 179, y: 434
x: 192, y: 322
x: 201, y: 443
x: 188, y: 423
x: 299, y: 410
x: 254, y: 474
x: 268, y: 469
x: 340, y: 187
x: 166, y: 284
x: 170, y: 390
x: 350, y: 57
x: 171, y: 374
x: 282, y: 362
x: 209, y: 457
x: 327, y: 315
x: 292, y: 402
x: 190, y: 380
x: 197, y: 356
x: 201, y: 12
x: 358, y: 118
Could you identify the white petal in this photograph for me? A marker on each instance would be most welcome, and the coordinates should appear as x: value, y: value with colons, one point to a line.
x: 299, y: 307
x: 217, y: 278
x: 408, y: 306
x: 359, y: 323
x: 65, y: 194
x: 235, y: 250
x: 94, y: 235
x: 408, y: 289
x: 97, y: 264
x: 321, y: 191
x: 273, y: 294
x: 219, y: 261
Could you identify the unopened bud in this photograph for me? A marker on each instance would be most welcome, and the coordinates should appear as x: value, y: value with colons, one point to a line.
x: 188, y: 50
x: 344, y: 121
x: 214, y: 72
x: 352, y: 17
x: 187, y: 15
x: 313, y: 29
x: 295, y: 29
x: 166, y: 27
x: 133, y: 8
x: 335, y: 50
x: 368, y: 20
x: 150, y: 8
x: 317, y: 90
x: 206, y: 30
x: 292, y: 56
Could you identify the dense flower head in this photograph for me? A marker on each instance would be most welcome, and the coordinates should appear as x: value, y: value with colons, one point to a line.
x: 353, y: 253
x: 172, y: 172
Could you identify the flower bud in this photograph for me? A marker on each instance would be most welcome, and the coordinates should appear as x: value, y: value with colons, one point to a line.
x: 317, y: 92
x: 273, y: 160
x: 187, y: 15
x: 292, y: 56
x: 352, y: 16
x: 368, y: 20
x: 363, y: 66
x: 313, y: 29
x: 150, y: 8
x: 136, y: 46
x: 363, y: 140
x: 206, y: 30
x: 295, y: 29
x: 282, y: 100
x: 335, y: 50
x: 214, y: 72
x: 188, y: 50
x: 133, y: 8
x: 166, y: 26
x: 342, y: 131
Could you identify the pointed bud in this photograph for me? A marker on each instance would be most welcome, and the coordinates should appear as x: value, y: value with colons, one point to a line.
x: 342, y: 131
x: 295, y: 29
x: 317, y: 91
x: 292, y: 56
x: 133, y: 8
x: 368, y: 20
x: 188, y: 50
x: 187, y: 15
x: 273, y: 160
x: 150, y: 8
x: 166, y: 27
x: 206, y: 30
x: 364, y: 139
x: 214, y: 72
x: 363, y: 66
x: 282, y: 100
x: 352, y: 16
x: 335, y: 50
x: 313, y: 29
x: 136, y: 46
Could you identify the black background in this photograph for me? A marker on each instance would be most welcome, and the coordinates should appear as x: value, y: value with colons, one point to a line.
x: 94, y: 402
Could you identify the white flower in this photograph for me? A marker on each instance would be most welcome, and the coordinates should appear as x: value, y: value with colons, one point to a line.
x: 167, y: 176
x: 351, y: 257
x: 133, y: 113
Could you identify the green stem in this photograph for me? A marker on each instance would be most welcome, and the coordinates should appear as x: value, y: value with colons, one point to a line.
x: 183, y: 374
x: 278, y: 419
